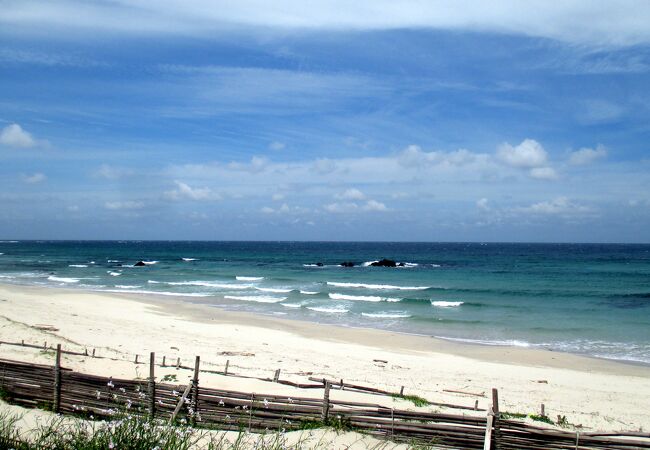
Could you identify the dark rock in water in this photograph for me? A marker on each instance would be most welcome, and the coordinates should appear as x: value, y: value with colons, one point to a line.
x: 319, y: 264
x: 384, y: 263
x: 347, y: 264
x: 139, y: 264
x: 401, y: 265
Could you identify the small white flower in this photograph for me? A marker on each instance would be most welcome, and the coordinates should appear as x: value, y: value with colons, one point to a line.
x: 98, y: 395
x: 221, y: 403
x: 110, y: 384
x: 266, y: 403
x: 290, y: 400
x: 123, y: 391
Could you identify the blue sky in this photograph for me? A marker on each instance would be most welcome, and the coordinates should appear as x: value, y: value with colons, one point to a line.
x: 421, y: 121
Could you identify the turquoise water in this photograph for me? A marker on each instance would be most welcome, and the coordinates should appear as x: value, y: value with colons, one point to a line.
x: 580, y: 298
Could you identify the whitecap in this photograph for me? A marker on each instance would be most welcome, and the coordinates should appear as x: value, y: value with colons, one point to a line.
x: 369, y: 263
x: 127, y: 286
x: 387, y: 315
x: 274, y: 290
x: 313, y: 265
x: 210, y: 284
x: 114, y: 274
x: 292, y: 305
x: 249, y: 278
x: 445, y: 304
x: 113, y: 261
x: 149, y: 263
x: 189, y: 259
x: 63, y: 279
x: 171, y: 294
x: 77, y: 265
x: 329, y: 310
x: 153, y: 282
x: 363, y: 298
x: 308, y: 292
x: 377, y: 286
x: 256, y: 298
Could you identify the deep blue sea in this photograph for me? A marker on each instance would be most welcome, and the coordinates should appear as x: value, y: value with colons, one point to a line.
x: 590, y: 299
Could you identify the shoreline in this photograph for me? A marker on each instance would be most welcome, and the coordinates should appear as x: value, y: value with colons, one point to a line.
x: 596, y: 393
x: 196, y: 308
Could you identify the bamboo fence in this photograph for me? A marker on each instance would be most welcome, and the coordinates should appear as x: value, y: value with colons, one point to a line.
x: 65, y: 391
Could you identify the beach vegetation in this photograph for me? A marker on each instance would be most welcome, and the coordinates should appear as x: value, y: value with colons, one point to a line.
x: 512, y: 415
x: 169, y: 377
x: 415, y: 399
x: 540, y: 418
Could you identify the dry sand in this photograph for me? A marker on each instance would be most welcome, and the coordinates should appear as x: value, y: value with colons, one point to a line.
x: 594, y: 393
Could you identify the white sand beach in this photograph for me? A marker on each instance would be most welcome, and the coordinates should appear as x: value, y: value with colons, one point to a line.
x: 593, y: 393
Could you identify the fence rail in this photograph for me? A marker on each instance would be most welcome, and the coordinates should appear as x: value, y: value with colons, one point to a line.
x: 68, y: 392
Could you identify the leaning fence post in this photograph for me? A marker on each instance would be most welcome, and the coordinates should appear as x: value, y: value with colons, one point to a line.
x: 57, y: 381
x: 276, y: 377
x: 495, y: 410
x: 194, y: 404
x: 225, y: 370
x: 152, y: 385
x: 326, y: 403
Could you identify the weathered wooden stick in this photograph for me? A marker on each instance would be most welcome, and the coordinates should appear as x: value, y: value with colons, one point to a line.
x: 57, y: 380
x: 181, y: 402
x: 476, y: 405
x: 326, y: 402
x: 487, y: 442
x: 136, y: 359
x: 276, y: 377
x: 93, y: 352
x: 152, y: 385
x: 482, y: 394
x: 164, y: 361
x: 225, y: 371
x: 194, y: 404
x: 495, y: 410
x: 401, y: 390
x: 541, y: 410
x: 178, y: 362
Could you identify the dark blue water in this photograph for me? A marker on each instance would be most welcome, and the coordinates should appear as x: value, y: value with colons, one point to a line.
x: 582, y: 298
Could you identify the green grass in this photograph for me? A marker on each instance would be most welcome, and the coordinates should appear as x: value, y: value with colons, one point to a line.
x: 169, y: 377
x: 513, y: 415
x: 416, y: 400
x: 540, y: 418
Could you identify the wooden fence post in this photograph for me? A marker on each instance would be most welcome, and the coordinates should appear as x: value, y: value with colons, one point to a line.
x: 194, y: 404
x: 276, y: 377
x: 487, y: 442
x: 152, y: 386
x: 56, y: 406
x: 495, y: 410
x: 225, y: 371
x: 326, y: 403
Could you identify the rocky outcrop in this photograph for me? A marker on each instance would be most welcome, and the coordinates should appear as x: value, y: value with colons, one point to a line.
x: 386, y: 263
x: 347, y: 264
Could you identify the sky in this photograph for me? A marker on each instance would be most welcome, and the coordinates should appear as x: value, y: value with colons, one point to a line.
x: 371, y: 120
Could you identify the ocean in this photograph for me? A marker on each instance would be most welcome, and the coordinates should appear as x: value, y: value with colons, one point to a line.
x: 591, y: 299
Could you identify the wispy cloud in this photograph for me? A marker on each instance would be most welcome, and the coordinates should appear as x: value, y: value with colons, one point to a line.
x: 620, y: 23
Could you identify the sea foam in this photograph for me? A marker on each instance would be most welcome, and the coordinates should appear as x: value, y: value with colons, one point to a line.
x: 63, y: 279
x: 256, y: 298
x: 362, y: 298
x: 329, y: 310
x: 377, y: 286
x: 387, y: 315
x: 238, y: 278
x: 445, y: 304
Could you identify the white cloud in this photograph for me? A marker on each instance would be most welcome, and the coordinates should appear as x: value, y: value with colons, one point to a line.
x: 184, y: 191
x: 580, y: 21
x: 257, y: 164
x: 543, y: 173
x: 73, y: 208
x: 351, y: 194
x: 414, y: 156
x: 338, y: 208
x: 112, y: 173
x: 586, y: 156
x: 528, y: 154
x: 267, y: 210
x: 14, y: 136
x: 277, y: 145
x: 128, y: 205
x: 373, y: 205
x: 277, y: 197
x: 483, y: 204
x: 558, y: 206
x: 35, y: 178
